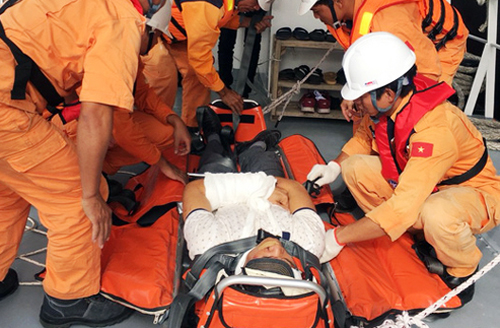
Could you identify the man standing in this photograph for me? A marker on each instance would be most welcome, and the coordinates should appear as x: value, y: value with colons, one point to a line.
x: 49, y: 50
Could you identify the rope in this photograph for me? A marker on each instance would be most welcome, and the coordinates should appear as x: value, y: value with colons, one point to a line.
x: 463, y: 79
x: 31, y: 225
x: 404, y: 320
x: 286, y: 97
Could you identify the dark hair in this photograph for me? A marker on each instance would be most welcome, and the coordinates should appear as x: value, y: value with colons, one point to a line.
x: 322, y: 2
x: 394, y: 84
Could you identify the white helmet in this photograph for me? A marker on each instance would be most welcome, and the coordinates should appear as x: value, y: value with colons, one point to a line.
x: 305, y: 6
x: 373, y: 61
x: 265, y: 4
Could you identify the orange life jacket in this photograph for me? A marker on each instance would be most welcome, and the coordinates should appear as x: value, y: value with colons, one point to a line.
x: 392, y: 137
x: 441, y: 21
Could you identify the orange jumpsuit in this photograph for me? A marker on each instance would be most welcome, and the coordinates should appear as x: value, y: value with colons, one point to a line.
x: 142, y: 135
x: 203, y: 20
x: 76, y: 48
x: 161, y: 65
x: 449, y: 217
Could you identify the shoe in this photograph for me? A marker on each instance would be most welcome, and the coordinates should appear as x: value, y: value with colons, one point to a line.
x: 9, y: 284
x: 453, y: 282
x: 307, y: 103
x: 345, y: 202
x: 270, y: 137
x: 197, y: 143
x: 93, y: 311
x: 210, y: 123
x: 322, y: 102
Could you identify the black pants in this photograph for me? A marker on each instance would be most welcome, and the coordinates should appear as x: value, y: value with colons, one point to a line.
x: 215, y: 159
x: 225, y: 52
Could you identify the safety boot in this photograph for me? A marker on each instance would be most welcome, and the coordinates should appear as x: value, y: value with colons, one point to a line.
x: 9, y: 284
x: 93, y: 311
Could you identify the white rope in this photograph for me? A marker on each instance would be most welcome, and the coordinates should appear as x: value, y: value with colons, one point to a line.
x: 295, y: 89
x: 405, y: 321
x: 31, y: 225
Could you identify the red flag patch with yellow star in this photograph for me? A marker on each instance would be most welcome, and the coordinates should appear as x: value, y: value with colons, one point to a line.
x: 421, y: 149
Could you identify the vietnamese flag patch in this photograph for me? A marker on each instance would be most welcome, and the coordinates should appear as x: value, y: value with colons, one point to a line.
x: 421, y: 149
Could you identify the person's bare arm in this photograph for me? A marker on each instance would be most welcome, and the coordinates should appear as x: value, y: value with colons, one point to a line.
x: 94, y: 133
x: 297, y: 194
x: 194, y: 197
x: 361, y: 230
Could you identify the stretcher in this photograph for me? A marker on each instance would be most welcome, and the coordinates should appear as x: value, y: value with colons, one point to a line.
x: 145, y: 264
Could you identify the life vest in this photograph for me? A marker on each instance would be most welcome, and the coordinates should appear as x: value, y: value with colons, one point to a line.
x: 441, y: 21
x: 229, y: 9
x: 176, y: 26
x: 392, y: 137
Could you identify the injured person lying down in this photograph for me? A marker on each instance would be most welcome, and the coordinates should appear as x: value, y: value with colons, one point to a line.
x: 230, y: 206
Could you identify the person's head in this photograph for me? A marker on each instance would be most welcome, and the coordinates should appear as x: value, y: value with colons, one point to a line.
x: 150, y: 7
x: 379, y: 69
x: 328, y: 11
x: 270, y: 248
x: 246, y: 6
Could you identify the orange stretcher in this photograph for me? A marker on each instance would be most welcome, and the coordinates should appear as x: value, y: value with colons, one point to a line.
x: 145, y: 262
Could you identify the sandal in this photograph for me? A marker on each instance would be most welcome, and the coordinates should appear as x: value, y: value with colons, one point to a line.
x: 330, y: 78
x: 284, y: 33
x: 286, y: 74
x: 317, y: 35
x: 300, y: 33
x: 316, y: 77
x: 329, y: 37
x: 301, y: 71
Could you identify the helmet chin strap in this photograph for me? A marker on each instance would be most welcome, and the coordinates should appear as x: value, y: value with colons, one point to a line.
x: 382, y: 111
x: 336, y: 23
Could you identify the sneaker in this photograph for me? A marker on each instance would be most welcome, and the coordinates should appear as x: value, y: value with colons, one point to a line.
x: 270, y: 137
x: 307, y: 103
x: 322, y: 102
x: 210, y: 123
x: 93, y: 311
x: 9, y: 284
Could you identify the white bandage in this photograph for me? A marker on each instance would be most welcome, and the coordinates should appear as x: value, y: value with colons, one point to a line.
x: 238, y: 188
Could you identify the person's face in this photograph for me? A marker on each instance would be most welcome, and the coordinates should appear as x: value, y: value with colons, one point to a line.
x: 270, y: 248
x: 245, y: 6
x: 323, y: 13
x: 365, y: 106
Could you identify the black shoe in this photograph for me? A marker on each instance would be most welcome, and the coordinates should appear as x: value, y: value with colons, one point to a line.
x: 197, y: 143
x: 93, y: 311
x: 453, y: 282
x: 270, y: 137
x: 345, y: 202
x: 210, y: 123
x: 9, y: 284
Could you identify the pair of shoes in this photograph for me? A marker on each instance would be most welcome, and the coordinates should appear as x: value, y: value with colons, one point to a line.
x: 269, y: 137
x: 94, y: 311
x: 315, y: 101
x: 9, y: 284
x: 287, y: 74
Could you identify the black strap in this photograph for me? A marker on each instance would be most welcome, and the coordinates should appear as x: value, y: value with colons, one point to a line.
x: 478, y: 167
x: 439, y: 25
x: 27, y: 70
x: 247, y: 53
x: 426, y: 22
x: 452, y: 33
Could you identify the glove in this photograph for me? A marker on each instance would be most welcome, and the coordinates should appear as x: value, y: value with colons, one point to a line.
x: 324, y: 174
x: 332, y: 246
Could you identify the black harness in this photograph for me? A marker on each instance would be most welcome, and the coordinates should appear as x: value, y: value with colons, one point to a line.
x: 27, y: 70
